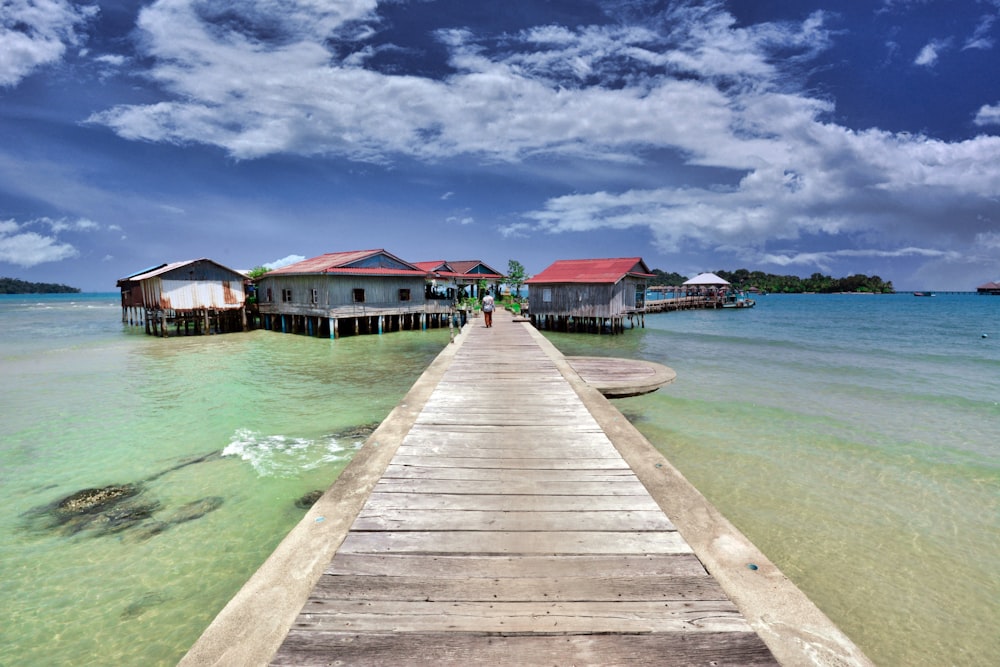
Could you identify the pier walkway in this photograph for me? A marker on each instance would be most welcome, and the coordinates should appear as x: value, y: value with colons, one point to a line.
x: 494, y: 519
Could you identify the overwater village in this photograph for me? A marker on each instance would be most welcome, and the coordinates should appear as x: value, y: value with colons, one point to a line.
x: 374, y: 291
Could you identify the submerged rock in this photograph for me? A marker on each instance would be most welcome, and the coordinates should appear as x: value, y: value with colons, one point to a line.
x: 140, y: 606
x: 148, y: 530
x: 186, y: 512
x: 308, y: 500
x: 357, y: 432
x: 184, y: 463
x: 90, y: 501
x: 193, y: 510
x: 104, y: 508
x: 113, y: 509
x: 123, y: 515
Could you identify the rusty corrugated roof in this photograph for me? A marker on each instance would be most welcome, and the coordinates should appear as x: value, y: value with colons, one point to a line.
x: 609, y: 270
x: 346, y: 263
x: 133, y: 276
x: 166, y: 268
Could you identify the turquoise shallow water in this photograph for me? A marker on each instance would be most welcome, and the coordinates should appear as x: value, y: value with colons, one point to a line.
x: 856, y: 441
x: 223, y: 433
x: 853, y: 438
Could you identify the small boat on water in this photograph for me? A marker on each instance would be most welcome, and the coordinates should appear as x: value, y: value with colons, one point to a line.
x: 737, y: 300
x: 923, y: 294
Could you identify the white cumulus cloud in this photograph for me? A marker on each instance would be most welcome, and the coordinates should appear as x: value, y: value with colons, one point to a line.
x: 931, y: 52
x: 988, y: 114
x: 34, y: 33
x: 284, y: 261
x: 27, y: 248
x: 691, y: 82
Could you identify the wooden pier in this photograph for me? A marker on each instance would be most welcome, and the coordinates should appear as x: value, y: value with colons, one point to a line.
x: 506, y: 514
x: 682, y: 303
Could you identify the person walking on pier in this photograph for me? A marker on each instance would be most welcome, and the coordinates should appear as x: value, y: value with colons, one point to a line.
x: 488, y: 309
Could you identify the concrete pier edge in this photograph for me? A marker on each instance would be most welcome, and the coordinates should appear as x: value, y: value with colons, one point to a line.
x: 251, y: 627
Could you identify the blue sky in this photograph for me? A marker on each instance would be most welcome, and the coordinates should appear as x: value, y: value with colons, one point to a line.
x: 787, y: 136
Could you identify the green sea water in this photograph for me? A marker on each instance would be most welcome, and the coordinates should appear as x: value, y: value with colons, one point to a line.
x: 853, y: 439
x: 221, y: 433
x: 856, y: 441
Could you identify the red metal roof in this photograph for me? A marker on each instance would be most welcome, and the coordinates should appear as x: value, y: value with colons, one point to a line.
x: 458, y: 269
x: 438, y: 265
x: 591, y: 271
x: 351, y: 263
x: 465, y: 266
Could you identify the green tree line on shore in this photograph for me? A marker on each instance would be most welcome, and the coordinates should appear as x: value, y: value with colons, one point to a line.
x: 15, y: 286
x: 769, y: 282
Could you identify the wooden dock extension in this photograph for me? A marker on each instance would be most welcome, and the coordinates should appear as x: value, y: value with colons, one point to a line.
x: 505, y: 513
x: 508, y: 530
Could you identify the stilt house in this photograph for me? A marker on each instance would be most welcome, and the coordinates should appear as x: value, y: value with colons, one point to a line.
x: 462, y: 276
x: 344, y: 293
x: 198, y: 296
x: 989, y: 288
x: 589, y: 294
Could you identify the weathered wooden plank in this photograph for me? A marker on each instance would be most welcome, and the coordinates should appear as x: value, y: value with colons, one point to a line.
x: 514, y: 542
x: 508, y: 530
x: 523, y: 589
x: 511, y: 617
x: 513, y: 435
x: 410, y: 519
x: 471, y: 450
x: 503, y: 475
x: 446, y: 417
x: 512, y: 463
x: 378, y: 500
x: 309, y: 648
x: 623, y: 487
x: 532, y: 382
x: 539, y: 405
x: 450, y: 567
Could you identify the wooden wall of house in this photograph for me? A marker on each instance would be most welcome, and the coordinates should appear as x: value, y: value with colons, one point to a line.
x: 585, y: 299
x: 334, y: 295
x: 132, y: 296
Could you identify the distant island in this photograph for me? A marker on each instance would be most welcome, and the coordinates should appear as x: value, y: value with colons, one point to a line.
x: 15, y: 286
x: 768, y: 282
